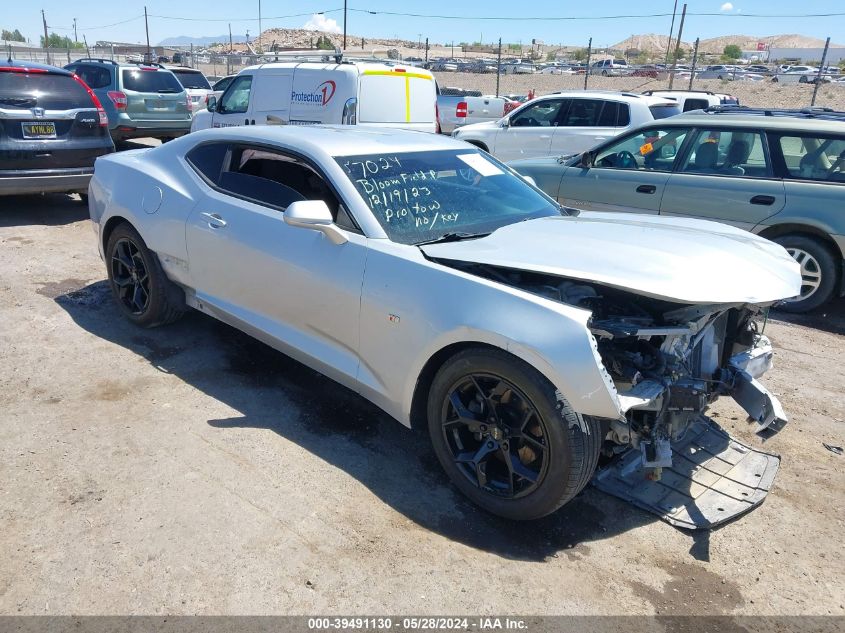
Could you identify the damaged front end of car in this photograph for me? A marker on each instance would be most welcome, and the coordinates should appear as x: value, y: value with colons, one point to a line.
x: 668, y: 362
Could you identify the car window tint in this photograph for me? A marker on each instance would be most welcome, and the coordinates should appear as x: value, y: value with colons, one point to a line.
x: 695, y: 104
x: 190, y: 79
x: 236, y: 97
x: 728, y: 153
x: 276, y: 180
x: 814, y: 157
x: 664, y: 111
x: 584, y: 113
x: 223, y: 84
x: 42, y: 90
x: 150, y: 80
x: 541, y: 114
x: 208, y: 160
x: 94, y: 76
x: 649, y: 150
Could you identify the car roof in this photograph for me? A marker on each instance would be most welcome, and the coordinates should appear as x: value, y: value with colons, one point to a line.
x: 19, y: 63
x: 331, y: 140
x: 183, y: 69
x: 628, y: 97
x: 344, y: 66
x: 753, y: 121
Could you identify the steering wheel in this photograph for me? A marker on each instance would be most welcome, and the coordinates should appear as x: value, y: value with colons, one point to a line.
x: 626, y: 160
x: 837, y: 165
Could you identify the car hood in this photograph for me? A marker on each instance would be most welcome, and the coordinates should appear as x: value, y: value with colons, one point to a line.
x: 677, y: 259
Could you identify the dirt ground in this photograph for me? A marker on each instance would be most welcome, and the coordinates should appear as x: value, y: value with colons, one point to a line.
x: 192, y: 470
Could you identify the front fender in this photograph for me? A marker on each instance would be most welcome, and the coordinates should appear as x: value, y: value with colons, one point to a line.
x: 412, y: 308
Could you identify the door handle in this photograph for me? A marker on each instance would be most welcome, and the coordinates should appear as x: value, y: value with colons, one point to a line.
x: 214, y: 220
x: 766, y: 200
x: 646, y: 189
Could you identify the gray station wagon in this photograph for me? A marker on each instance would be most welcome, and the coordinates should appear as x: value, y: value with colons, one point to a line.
x: 777, y: 173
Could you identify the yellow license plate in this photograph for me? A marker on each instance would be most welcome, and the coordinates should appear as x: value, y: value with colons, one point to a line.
x: 39, y: 130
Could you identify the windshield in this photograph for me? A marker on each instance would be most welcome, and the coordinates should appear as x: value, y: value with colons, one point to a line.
x: 192, y: 79
x: 422, y: 196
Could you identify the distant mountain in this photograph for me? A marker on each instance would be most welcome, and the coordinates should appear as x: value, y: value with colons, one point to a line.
x: 650, y: 43
x: 184, y: 40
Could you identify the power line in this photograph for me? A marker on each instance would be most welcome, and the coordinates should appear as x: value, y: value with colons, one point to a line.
x: 512, y: 18
x: 278, y: 17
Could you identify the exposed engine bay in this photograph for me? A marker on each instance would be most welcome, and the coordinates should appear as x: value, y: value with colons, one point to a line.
x: 668, y: 361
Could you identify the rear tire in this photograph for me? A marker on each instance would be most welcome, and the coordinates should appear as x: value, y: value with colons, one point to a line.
x: 819, y: 272
x: 142, y: 291
x: 505, y: 438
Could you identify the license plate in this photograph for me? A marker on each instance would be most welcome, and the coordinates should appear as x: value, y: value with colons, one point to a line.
x: 37, y: 129
x: 160, y: 104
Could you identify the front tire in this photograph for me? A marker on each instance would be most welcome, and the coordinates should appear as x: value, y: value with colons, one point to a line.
x: 818, y: 272
x: 504, y: 437
x: 142, y: 291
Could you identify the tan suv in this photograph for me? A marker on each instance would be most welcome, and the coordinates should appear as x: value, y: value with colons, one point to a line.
x: 777, y: 173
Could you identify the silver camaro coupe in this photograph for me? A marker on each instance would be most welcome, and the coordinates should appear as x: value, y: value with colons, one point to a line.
x: 532, y: 340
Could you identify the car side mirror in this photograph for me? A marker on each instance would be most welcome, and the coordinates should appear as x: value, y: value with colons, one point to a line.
x: 211, y: 106
x: 587, y: 159
x: 314, y: 215
x: 506, y: 122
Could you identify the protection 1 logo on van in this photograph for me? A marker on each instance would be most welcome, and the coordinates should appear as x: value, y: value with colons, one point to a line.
x: 321, y: 95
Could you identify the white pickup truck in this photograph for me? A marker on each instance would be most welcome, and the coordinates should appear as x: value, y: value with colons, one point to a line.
x: 457, y: 107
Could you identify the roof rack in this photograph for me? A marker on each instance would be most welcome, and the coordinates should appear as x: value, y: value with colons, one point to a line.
x: 310, y: 54
x: 95, y: 59
x: 816, y: 112
x: 649, y: 93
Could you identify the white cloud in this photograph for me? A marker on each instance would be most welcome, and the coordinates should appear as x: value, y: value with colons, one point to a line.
x: 319, y: 22
x: 728, y: 6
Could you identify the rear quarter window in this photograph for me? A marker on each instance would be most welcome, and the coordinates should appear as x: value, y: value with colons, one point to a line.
x: 695, y: 104
x: 149, y: 80
x: 207, y: 160
x: 42, y: 90
x: 664, y: 111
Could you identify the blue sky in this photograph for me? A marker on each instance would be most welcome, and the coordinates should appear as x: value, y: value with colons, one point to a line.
x: 211, y: 17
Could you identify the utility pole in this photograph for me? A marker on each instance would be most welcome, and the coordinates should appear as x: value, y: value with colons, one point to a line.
x: 821, y: 70
x: 671, y: 28
x: 426, y: 50
x: 87, y: 50
x: 589, y: 54
x: 147, y: 29
x: 344, y: 25
x: 260, y: 31
x: 231, y: 48
x: 46, y: 37
x: 694, y: 60
x: 499, y: 67
x: 677, y: 47
x: 75, y: 39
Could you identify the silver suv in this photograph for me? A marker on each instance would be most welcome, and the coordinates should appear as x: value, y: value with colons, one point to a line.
x: 777, y: 173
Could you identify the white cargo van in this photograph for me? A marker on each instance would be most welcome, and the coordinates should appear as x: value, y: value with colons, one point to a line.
x: 308, y: 93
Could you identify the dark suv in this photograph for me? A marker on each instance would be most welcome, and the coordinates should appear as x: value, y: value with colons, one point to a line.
x: 52, y: 129
x: 141, y: 100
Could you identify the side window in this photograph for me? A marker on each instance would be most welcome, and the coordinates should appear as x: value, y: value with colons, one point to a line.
x: 814, y: 158
x: 649, y: 150
x: 276, y: 180
x: 236, y: 97
x: 94, y: 76
x: 208, y: 159
x: 728, y: 153
x: 588, y: 113
x: 541, y: 114
x: 614, y: 114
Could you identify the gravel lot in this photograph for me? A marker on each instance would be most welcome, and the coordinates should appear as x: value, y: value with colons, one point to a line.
x: 192, y: 470
x: 764, y: 94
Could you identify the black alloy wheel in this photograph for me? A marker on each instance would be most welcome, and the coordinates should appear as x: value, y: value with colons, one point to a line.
x: 129, y: 273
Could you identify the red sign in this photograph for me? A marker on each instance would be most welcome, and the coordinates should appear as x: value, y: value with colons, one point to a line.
x: 761, y: 46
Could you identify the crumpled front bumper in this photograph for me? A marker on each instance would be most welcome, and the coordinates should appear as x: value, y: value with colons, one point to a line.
x: 761, y: 405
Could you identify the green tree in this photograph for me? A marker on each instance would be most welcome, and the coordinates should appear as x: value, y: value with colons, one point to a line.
x: 324, y: 43
x: 57, y: 41
x: 580, y: 55
x: 12, y: 36
x: 732, y: 51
